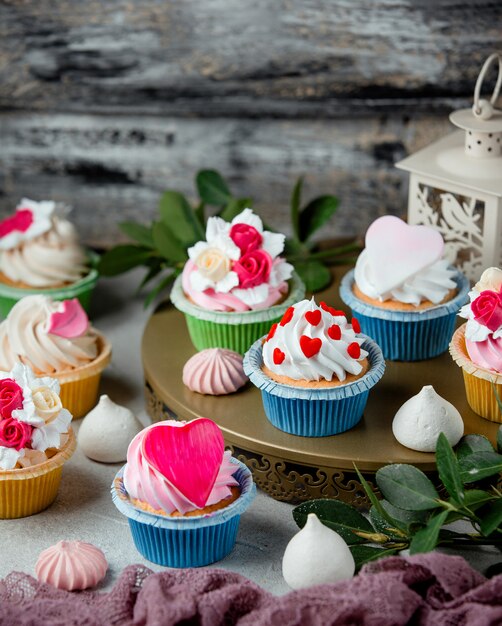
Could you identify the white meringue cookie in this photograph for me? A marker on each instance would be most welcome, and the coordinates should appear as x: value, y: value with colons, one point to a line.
x: 421, y: 419
x: 316, y: 555
x: 107, y: 431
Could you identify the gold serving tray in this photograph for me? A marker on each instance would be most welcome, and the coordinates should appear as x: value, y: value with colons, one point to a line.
x: 294, y: 468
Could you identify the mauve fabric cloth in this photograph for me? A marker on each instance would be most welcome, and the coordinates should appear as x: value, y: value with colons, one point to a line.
x: 424, y: 590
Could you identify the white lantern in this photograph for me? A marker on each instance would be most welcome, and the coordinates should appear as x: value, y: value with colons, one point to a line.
x: 456, y: 183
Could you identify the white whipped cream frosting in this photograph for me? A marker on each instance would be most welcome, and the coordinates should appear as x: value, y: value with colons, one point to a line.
x: 332, y: 360
x: 52, y: 258
x: 491, y: 280
x: 24, y: 338
x: 432, y: 283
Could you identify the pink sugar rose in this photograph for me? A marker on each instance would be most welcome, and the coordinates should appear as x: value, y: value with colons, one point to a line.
x: 11, y: 397
x: 245, y: 237
x: 253, y: 268
x: 14, y: 434
x: 21, y: 221
x: 487, y: 309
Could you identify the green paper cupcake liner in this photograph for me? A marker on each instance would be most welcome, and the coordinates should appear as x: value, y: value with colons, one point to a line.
x: 232, y: 330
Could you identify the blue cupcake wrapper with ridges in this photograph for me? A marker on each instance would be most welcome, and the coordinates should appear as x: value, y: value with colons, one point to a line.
x: 308, y: 412
x: 408, y: 335
x: 186, y: 541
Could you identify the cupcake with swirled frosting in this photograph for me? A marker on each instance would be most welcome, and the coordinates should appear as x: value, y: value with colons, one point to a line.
x: 55, y: 338
x: 40, y: 253
x: 403, y: 290
x: 314, y: 370
x: 182, y: 493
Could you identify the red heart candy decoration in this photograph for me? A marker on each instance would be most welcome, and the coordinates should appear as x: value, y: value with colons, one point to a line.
x: 354, y: 350
x: 335, y: 332
x: 287, y: 316
x: 310, y: 347
x: 271, y: 332
x: 356, y: 327
x: 188, y: 456
x: 278, y: 356
x: 313, y: 317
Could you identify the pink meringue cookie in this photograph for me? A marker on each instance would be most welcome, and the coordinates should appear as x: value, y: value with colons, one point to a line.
x: 214, y: 372
x: 71, y: 565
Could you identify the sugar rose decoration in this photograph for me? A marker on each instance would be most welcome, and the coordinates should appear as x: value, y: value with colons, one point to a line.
x: 31, y: 219
x: 32, y: 418
x: 487, y: 309
x: 240, y: 258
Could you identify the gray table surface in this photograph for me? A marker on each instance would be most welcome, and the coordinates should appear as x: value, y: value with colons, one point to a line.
x: 84, y: 510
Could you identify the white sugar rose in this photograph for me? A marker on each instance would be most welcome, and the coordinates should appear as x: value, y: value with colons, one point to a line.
x: 47, y: 403
x: 213, y: 264
x: 491, y: 280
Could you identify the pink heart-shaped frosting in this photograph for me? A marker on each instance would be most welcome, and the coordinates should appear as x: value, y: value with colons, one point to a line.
x: 70, y: 322
x: 189, y: 456
x: 396, y: 251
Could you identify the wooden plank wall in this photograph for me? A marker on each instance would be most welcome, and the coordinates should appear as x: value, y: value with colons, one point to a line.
x: 103, y: 104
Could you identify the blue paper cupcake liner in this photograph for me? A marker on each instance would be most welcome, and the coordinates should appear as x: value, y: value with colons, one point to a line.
x: 186, y: 541
x: 407, y: 335
x: 308, y: 412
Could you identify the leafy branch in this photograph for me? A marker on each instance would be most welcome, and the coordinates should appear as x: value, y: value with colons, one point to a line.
x: 412, y: 514
x: 161, y: 247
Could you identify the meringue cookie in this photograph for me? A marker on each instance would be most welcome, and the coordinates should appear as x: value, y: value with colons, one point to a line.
x: 316, y: 555
x: 214, y: 372
x: 71, y: 565
x: 421, y: 419
x: 107, y: 431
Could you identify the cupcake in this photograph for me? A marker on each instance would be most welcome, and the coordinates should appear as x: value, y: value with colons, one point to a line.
x: 235, y: 284
x: 35, y: 441
x: 476, y: 346
x: 314, y: 370
x: 55, y: 339
x: 403, y: 292
x: 182, y: 493
x: 40, y: 253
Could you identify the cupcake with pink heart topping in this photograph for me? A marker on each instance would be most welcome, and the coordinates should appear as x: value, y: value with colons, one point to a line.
x: 403, y: 291
x: 477, y: 345
x: 182, y: 493
x: 40, y: 253
x: 235, y: 284
x: 314, y: 370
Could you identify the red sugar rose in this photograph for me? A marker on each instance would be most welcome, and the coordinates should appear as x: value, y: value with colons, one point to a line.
x: 11, y: 397
x: 245, y: 237
x: 253, y: 268
x: 14, y: 434
x: 21, y: 221
x: 487, y: 309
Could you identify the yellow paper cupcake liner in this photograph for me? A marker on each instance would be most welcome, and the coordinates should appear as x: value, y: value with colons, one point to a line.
x: 29, y: 490
x: 480, y: 384
x: 79, y: 387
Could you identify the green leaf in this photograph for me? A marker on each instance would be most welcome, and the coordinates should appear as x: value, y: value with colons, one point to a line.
x: 405, y: 519
x: 426, y: 538
x: 471, y: 444
x: 474, y: 498
x: 212, y: 188
x: 372, y: 496
x: 154, y: 269
x: 336, y: 515
x: 499, y: 439
x: 158, y: 288
x: 140, y: 233
x: 479, y: 465
x: 365, y: 554
x: 122, y: 259
x: 234, y: 207
x: 177, y: 214
x: 491, y: 517
x: 200, y: 214
x: 448, y: 469
x: 406, y: 485
x: 316, y: 214
x: 382, y: 526
x: 295, y: 207
x: 314, y: 274
x: 167, y: 244
x: 291, y: 246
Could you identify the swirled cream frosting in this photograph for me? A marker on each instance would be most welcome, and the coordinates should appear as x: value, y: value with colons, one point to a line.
x: 214, y: 372
x: 50, y: 337
x: 313, y: 343
x: 46, y: 253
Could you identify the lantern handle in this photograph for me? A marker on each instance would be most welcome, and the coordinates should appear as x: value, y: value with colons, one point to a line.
x: 484, y: 109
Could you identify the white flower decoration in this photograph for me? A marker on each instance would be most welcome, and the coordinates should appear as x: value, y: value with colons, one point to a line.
x: 41, y: 213
x: 9, y: 457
